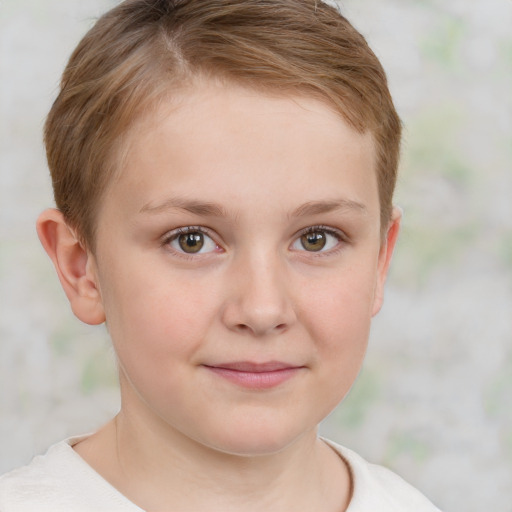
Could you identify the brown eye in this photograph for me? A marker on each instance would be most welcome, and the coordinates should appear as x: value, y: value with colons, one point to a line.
x: 314, y: 241
x: 191, y: 242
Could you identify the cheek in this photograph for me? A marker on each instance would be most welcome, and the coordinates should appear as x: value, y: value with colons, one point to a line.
x: 342, y: 297
x: 154, y: 314
x: 337, y: 313
x: 157, y: 332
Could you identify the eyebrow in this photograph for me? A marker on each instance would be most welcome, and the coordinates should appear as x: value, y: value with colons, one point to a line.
x: 208, y: 209
x: 318, y: 207
x: 203, y: 208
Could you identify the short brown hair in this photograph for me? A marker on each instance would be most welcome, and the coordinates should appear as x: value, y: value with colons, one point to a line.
x: 137, y: 52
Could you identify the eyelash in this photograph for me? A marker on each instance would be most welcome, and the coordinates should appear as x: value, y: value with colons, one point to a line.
x: 175, y: 234
x: 339, y: 235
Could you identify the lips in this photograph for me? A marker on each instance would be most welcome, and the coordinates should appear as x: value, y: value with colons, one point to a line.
x: 246, y: 366
x: 253, y: 375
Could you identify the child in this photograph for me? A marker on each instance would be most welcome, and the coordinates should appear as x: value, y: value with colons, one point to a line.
x: 223, y: 173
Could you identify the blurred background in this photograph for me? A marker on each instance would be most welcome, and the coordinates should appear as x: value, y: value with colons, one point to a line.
x: 434, y: 400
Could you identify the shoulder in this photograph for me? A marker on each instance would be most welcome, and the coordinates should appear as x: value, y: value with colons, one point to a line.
x: 59, y: 481
x: 378, y: 489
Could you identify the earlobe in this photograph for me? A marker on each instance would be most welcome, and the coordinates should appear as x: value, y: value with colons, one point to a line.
x: 385, y: 255
x: 74, y: 264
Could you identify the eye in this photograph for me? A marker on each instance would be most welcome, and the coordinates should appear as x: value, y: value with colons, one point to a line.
x: 317, y: 239
x: 191, y: 240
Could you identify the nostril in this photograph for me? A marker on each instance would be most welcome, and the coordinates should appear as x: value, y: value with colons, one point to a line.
x: 243, y: 328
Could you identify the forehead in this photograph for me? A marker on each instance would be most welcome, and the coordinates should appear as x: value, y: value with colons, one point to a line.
x: 225, y: 140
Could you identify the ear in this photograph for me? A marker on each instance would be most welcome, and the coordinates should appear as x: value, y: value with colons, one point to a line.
x: 385, y: 255
x: 75, y: 266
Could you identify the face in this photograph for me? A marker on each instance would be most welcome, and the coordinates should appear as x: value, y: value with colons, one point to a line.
x: 239, y: 263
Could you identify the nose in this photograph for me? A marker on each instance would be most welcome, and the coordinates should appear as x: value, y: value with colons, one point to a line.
x: 259, y: 301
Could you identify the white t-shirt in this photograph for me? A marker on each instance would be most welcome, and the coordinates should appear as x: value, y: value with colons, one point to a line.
x: 61, y: 481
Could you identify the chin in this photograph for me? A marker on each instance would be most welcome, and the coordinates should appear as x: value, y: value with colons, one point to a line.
x: 257, y: 439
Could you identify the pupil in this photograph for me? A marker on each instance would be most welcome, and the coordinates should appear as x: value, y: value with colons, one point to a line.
x: 191, y: 242
x: 313, y: 241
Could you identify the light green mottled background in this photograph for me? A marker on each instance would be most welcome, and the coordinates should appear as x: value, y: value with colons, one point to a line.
x: 434, y: 401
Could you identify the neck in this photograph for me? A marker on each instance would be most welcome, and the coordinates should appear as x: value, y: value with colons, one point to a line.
x: 158, y: 468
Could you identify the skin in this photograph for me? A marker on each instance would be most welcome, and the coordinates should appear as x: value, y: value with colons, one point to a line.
x: 247, y: 173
